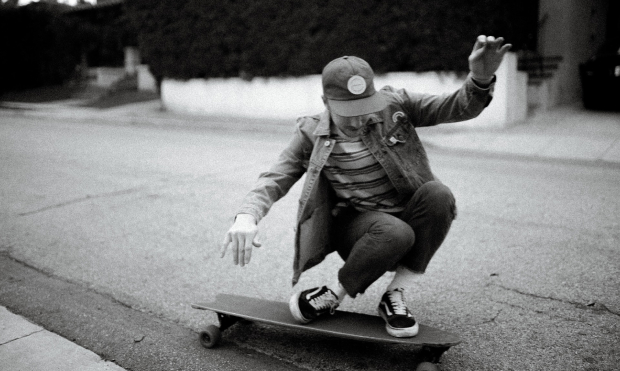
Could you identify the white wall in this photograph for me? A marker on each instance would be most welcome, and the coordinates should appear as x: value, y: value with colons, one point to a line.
x: 288, y: 98
x: 146, y: 80
x: 279, y: 97
x: 107, y: 76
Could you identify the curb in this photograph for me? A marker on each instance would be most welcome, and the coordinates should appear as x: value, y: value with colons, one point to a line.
x: 20, y: 339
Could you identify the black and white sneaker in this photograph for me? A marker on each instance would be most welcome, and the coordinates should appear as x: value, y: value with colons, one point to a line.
x: 399, y: 321
x: 308, y: 305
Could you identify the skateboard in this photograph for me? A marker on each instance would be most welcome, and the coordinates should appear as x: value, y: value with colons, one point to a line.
x: 231, y: 309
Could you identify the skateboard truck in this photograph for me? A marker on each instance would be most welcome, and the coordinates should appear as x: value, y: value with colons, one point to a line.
x: 432, y: 354
x: 212, y: 335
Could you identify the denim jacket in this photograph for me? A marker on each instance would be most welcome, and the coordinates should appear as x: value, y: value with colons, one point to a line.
x: 392, y: 139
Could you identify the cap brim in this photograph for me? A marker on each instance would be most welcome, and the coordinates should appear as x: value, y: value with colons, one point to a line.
x: 358, y: 107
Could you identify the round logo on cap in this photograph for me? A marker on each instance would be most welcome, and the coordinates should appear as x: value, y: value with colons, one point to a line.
x: 356, y: 85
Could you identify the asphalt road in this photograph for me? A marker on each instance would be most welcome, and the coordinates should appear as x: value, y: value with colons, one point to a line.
x: 529, y: 274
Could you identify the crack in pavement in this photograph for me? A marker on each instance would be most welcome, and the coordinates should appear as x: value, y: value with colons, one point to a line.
x: 590, y: 306
x: 81, y: 199
x: 494, y: 318
x: 22, y: 337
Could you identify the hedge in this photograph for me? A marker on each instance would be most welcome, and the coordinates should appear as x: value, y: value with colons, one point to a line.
x: 37, y: 45
x: 43, y: 43
x: 204, y: 38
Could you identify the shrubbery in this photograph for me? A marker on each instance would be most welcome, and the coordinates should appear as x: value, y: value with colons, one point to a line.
x: 43, y: 43
x: 38, y: 47
x: 228, y: 38
x: 205, y: 38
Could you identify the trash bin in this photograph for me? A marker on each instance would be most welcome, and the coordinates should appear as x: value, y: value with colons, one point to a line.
x: 600, y: 82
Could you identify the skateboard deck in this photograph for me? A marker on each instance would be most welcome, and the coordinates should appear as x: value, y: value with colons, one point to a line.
x: 349, y: 325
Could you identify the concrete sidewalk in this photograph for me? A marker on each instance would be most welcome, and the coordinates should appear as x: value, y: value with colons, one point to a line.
x: 25, y: 346
x: 568, y: 133
x: 564, y: 133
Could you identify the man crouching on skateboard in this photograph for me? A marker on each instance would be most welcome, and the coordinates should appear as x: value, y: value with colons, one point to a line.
x: 369, y: 193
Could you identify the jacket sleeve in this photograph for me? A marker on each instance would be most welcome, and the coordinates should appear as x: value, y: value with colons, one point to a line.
x: 273, y: 184
x: 464, y: 104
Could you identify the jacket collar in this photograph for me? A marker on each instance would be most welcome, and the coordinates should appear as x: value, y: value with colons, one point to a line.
x: 323, y: 128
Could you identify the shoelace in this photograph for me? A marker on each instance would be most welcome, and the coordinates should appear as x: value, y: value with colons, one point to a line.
x: 398, y: 302
x: 327, y: 300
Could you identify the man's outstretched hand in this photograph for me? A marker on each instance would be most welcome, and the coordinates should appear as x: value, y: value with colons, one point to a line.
x: 241, y: 237
x: 486, y: 57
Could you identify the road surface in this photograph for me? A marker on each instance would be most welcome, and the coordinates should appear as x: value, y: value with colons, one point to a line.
x: 529, y: 274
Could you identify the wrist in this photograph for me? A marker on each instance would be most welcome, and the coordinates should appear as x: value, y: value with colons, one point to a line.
x: 483, y: 81
x: 246, y: 218
x: 486, y: 80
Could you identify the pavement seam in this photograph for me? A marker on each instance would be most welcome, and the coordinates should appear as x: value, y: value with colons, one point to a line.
x: 81, y: 199
x: 22, y: 337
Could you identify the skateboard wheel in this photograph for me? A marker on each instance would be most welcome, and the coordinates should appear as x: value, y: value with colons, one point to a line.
x: 211, y: 336
x: 427, y: 366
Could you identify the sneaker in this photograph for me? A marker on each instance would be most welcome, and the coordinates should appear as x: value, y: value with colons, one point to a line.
x: 308, y: 305
x: 399, y: 321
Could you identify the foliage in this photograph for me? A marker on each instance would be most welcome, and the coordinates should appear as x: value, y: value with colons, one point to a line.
x: 37, y: 44
x: 44, y: 43
x: 206, y: 38
x: 102, y: 34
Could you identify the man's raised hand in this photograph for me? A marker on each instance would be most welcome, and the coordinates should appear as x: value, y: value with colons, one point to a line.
x: 486, y: 57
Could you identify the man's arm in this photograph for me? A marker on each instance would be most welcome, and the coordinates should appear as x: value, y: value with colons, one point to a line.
x: 270, y: 187
x: 467, y: 102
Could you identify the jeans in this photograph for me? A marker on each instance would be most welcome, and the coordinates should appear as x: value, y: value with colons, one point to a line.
x: 372, y: 243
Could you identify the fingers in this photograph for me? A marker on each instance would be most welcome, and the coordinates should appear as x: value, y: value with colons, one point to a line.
x: 480, y: 43
x: 246, y: 254
x: 504, y: 49
x: 241, y: 237
x: 241, y: 246
x: 239, y: 252
x: 492, y: 43
x: 234, y: 241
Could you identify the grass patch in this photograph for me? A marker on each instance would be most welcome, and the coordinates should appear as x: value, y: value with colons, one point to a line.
x: 45, y: 94
x: 87, y: 96
x: 121, y: 98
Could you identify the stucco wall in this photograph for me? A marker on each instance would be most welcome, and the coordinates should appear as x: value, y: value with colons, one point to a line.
x: 146, y: 80
x: 288, y: 98
x: 107, y: 76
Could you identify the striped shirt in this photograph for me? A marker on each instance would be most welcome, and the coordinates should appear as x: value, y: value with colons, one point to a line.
x: 359, y: 179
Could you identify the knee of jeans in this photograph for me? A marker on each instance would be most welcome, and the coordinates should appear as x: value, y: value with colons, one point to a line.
x: 398, y: 233
x: 440, y: 199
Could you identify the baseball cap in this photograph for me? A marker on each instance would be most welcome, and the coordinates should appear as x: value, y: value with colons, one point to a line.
x: 348, y: 87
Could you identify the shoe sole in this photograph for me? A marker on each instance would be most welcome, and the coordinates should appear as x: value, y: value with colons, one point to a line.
x: 408, y: 332
x: 293, y: 305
